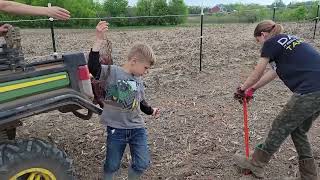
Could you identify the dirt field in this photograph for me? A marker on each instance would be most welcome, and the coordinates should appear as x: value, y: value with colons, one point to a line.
x: 201, y: 125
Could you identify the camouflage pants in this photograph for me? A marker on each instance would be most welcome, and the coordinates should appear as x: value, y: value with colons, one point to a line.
x: 295, y: 119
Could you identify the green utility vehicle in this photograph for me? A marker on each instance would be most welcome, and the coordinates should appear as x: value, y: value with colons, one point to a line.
x: 26, y: 89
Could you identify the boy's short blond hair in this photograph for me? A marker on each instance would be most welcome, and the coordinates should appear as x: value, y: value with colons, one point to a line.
x: 142, y: 52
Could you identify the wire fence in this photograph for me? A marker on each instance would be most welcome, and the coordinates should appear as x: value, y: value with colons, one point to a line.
x: 52, y: 25
x: 101, y: 18
x: 196, y: 19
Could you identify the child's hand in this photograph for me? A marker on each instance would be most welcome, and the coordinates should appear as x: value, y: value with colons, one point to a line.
x: 156, y: 112
x: 101, y: 28
x: 4, y: 29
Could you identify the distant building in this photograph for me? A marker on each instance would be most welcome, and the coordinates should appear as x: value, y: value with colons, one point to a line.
x: 217, y: 9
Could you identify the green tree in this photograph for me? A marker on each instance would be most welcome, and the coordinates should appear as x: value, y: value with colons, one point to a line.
x: 248, y: 12
x: 178, y: 7
x: 144, y: 8
x: 197, y: 9
x: 278, y: 3
x: 312, y: 13
x: 194, y: 9
x: 131, y: 11
x: 160, y: 8
x: 299, y: 13
x: 116, y: 8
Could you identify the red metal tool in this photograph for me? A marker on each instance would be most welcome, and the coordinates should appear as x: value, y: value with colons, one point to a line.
x: 246, y: 131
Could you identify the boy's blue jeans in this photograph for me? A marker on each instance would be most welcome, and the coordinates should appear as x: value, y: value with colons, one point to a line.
x: 117, y: 139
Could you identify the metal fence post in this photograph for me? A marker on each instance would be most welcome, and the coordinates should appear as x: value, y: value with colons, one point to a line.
x: 316, y: 22
x: 274, y: 14
x: 201, y: 37
x: 52, y: 33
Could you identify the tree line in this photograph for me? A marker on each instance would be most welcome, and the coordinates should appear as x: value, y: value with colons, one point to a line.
x: 238, y: 12
x: 109, y: 9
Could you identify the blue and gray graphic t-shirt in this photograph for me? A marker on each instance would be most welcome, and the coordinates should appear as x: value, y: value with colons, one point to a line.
x: 123, y: 97
x: 297, y: 63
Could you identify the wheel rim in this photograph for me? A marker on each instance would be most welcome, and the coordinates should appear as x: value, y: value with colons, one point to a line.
x: 35, y: 174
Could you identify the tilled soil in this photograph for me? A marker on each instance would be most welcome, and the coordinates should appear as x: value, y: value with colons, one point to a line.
x: 201, y: 126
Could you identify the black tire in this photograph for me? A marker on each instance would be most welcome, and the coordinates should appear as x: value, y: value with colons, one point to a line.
x: 16, y: 157
x: 7, y: 134
x: 11, y: 133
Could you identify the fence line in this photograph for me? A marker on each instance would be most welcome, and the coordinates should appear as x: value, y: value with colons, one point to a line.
x: 103, y: 18
x: 316, y: 19
x: 24, y: 20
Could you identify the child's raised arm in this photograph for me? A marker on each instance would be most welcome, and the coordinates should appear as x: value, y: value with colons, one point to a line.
x: 101, y: 29
x: 94, y: 63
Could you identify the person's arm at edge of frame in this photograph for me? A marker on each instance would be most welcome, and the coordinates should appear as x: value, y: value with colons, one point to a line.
x: 23, y: 9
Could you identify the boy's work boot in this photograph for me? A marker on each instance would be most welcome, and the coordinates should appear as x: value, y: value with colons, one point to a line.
x: 308, y: 170
x: 256, y: 163
x: 132, y: 175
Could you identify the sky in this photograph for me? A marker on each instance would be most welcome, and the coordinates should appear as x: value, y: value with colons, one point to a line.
x: 210, y: 3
